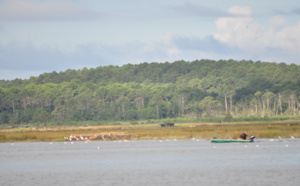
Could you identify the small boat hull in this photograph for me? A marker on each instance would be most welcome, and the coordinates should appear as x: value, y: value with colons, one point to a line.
x: 218, y: 140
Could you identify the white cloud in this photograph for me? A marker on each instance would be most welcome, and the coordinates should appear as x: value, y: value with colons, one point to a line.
x: 198, y: 10
x: 277, y: 22
x: 247, y: 34
x: 241, y: 32
x: 165, y: 47
x: 30, y: 10
x: 240, y: 10
x: 168, y: 45
x: 286, y: 38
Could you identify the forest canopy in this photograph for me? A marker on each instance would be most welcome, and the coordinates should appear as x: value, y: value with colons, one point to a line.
x: 197, y: 89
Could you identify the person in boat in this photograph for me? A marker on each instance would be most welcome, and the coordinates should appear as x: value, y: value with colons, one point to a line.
x: 243, y: 136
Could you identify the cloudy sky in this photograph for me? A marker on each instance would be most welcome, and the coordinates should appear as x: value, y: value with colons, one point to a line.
x: 38, y: 36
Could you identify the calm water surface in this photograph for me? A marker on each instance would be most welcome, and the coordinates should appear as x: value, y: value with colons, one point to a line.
x: 153, y: 162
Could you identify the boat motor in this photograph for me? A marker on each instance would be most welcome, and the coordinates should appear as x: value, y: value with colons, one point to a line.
x: 251, y: 138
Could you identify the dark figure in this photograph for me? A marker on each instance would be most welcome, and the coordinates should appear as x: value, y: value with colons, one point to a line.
x: 243, y: 136
x: 167, y: 124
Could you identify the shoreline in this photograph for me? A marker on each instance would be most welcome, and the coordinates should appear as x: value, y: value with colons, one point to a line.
x: 154, y: 131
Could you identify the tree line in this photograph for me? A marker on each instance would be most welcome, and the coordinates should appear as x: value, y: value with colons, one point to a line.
x: 197, y: 89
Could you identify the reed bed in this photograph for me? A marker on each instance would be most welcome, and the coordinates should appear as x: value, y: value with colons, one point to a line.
x: 154, y: 131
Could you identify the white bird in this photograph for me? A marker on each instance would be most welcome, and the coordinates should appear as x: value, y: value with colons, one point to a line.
x: 286, y: 145
x: 214, y: 147
x: 257, y: 145
x: 292, y: 137
x: 245, y: 145
x: 98, y: 147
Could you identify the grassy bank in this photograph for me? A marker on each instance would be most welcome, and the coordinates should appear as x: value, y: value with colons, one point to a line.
x: 284, y: 129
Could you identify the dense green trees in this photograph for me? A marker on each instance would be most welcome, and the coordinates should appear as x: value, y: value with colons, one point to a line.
x: 202, y: 88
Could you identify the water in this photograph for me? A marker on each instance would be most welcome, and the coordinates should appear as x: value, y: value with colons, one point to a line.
x: 152, y: 162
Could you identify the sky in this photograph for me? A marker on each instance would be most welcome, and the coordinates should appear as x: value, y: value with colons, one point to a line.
x: 38, y: 36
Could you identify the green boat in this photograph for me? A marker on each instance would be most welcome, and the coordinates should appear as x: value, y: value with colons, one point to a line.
x: 218, y: 140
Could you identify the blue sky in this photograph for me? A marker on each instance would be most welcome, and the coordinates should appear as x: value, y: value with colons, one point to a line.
x: 38, y: 36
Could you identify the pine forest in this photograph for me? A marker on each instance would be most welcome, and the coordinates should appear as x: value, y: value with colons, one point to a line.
x: 221, y: 90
